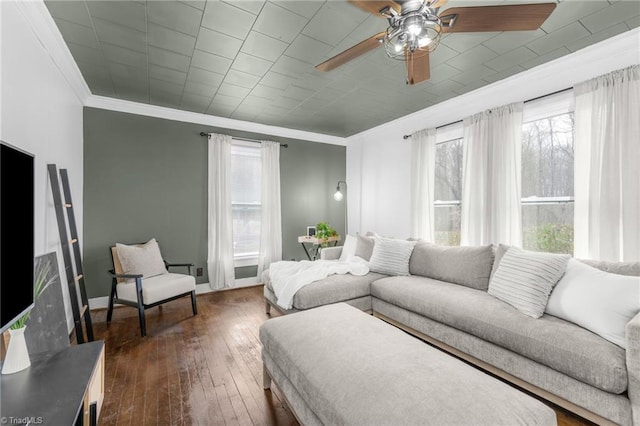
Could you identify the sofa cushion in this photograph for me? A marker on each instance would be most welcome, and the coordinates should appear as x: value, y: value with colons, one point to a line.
x: 364, y: 247
x: 391, y: 256
x: 469, y: 266
x: 524, y: 279
x: 596, y: 300
x: 620, y: 268
x: 551, y: 341
x: 333, y: 289
x: 631, y: 269
x: 351, y: 369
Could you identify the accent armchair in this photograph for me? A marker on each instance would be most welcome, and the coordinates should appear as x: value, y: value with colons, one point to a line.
x: 141, y: 279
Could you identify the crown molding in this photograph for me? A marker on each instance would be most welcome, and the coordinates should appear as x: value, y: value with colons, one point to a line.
x: 120, y: 105
x: 46, y: 31
x: 615, y: 53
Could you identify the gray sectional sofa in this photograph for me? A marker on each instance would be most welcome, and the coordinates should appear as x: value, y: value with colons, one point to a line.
x: 445, y: 302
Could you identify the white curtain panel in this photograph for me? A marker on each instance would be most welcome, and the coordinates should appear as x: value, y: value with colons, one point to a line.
x: 607, y: 167
x: 271, y: 217
x: 423, y: 164
x: 491, y: 177
x: 220, y: 242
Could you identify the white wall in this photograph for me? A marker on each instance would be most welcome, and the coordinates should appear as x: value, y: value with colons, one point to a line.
x: 378, y: 160
x: 41, y: 113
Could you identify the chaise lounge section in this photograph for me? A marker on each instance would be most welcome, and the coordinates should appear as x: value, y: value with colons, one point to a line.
x: 445, y: 302
x: 336, y: 365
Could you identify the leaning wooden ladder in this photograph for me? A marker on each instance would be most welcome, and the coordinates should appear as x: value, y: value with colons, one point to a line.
x: 80, y: 313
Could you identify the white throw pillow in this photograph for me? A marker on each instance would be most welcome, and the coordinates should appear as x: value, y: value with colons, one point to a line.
x: 599, y: 301
x: 391, y: 256
x: 142, y: 259
x: 524, y: 279
x: 349, y: 248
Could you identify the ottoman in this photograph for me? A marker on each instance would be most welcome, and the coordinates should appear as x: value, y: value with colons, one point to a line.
x: 340, y: 366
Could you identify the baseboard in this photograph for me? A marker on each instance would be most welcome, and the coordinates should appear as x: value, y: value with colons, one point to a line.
x: 103, y: 302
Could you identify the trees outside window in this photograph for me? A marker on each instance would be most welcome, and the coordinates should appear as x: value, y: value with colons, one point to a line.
x: 547, y: 184
x: 448, y: 192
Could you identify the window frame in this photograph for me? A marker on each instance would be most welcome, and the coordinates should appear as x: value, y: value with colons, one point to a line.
x: 451, y: 133
x: 542, y: 109
x: 245, y: 259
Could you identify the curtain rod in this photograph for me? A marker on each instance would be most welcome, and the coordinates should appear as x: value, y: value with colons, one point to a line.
x: 283, y: 145
x: 527, y: 101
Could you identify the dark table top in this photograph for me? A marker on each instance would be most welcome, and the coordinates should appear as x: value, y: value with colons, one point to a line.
x: 52, y: 389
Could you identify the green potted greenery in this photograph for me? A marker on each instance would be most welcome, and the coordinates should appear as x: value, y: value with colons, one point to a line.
x: 324, y: 231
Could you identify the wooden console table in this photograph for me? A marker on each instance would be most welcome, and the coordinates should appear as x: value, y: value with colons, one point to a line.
x: 59, y: 388
x: 315, y: 244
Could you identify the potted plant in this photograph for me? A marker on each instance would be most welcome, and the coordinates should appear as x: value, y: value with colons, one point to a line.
x: 17, y: 358
x: 324, y: 231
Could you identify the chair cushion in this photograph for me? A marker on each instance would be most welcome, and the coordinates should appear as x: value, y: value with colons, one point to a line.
x: 551, y: 341
x: 158, y: 288
x: 142, y: 259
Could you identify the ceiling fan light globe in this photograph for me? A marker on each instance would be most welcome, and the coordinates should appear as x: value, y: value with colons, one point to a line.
x: 424, y: 42
x: 395, y: 43
x: 414, y: 24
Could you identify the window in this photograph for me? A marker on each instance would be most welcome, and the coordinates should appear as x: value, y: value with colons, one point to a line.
x: 245, y: 201
x: 448, y: 192
x: 547, y: 184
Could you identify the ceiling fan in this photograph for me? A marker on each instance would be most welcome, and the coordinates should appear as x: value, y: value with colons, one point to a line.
x: 415, y: 28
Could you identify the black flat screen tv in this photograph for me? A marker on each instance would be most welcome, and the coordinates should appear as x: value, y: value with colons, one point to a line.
x: 16, y: 233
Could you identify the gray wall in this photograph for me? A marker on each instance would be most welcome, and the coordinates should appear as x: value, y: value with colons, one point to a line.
x: 147, y: 177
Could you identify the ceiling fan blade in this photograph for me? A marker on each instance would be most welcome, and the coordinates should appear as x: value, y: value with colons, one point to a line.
x: 517, y: 17
x: 352, y: 52
x: 417, y: 67
x: 374, y: 7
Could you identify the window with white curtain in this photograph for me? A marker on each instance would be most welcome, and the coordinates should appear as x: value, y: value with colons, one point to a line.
x: 547, y: 184
x: 246, y: 202
x: 448, y: 191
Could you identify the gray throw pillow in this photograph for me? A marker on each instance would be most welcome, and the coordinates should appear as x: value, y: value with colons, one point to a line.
x: 364, y: 247
x: 468, y: 265
x: 142, y: 259
x: 391, y: 256
x: 524, y: 279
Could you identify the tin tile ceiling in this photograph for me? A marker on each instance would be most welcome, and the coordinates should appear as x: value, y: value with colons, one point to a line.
x: 254, y: 60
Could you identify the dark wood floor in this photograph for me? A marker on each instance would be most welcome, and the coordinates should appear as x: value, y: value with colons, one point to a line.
x: 202, y: 370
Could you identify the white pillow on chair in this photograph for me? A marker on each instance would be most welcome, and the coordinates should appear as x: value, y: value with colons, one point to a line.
x: 142, y: 259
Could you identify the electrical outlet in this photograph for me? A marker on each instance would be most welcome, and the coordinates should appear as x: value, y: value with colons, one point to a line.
x: 199, y: 272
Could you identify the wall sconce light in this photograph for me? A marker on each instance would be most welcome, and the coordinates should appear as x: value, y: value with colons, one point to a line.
x: 338, y: 196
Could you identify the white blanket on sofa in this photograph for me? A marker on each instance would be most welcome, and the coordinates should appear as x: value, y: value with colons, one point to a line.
x: 287, y: 277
